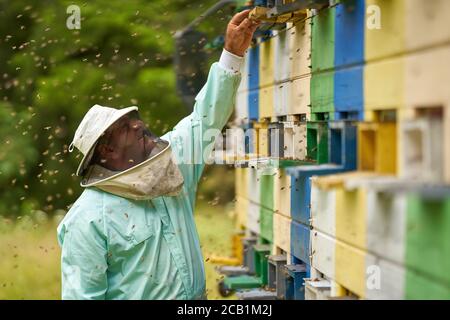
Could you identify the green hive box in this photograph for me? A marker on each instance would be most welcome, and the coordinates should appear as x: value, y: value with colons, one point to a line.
x: 428, y: 248
x: 322, y: 56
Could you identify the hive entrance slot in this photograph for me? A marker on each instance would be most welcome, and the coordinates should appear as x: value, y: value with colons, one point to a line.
x: 413, y: 152
x: 367, y: 149
x: 276, y: 140
x: 336, y: 156
x: 422, y: 156
x: 317, y: 142
x: 386, y: 116
x: 312, y: 143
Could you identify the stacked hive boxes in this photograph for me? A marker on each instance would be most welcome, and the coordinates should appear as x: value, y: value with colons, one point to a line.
x: 347, y: 166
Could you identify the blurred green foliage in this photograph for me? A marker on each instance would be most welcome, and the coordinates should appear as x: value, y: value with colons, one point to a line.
x: 50, y: 76
x: 217, y: 185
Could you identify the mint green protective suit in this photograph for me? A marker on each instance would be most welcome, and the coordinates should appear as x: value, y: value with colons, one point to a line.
x: 117, y: 248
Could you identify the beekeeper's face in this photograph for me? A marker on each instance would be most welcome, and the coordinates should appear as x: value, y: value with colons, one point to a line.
x: 125, y: 144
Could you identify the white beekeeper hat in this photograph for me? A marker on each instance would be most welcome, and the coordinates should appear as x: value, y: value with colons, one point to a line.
x: 96, y: 121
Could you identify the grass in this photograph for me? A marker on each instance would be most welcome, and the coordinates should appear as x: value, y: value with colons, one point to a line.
x: 29, y: 261
x: 30, y: 255
x: 215, y: 229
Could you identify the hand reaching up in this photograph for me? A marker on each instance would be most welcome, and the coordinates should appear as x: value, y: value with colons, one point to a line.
x: 239, y: 33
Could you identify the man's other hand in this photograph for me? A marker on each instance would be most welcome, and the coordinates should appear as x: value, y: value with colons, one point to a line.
x: 239, y: 33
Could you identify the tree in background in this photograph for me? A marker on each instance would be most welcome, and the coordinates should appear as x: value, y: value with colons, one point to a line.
x: 50, y: 76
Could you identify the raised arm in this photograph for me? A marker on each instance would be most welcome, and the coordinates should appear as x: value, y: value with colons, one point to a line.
x: 192, y: 138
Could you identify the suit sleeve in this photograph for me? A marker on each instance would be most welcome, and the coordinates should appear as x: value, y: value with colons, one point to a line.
x: 193, y: 137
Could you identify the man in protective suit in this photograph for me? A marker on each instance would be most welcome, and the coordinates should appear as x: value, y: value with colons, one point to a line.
x: 131, y: 234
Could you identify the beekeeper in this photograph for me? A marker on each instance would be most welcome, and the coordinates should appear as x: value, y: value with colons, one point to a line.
x: 131, y: 234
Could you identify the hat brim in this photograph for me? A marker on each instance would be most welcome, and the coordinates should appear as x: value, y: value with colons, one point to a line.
x: 84, y: 163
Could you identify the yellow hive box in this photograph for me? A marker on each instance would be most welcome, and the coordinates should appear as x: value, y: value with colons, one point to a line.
x: 241, y: 210
x: 281, y: 234
x: 241, y: 182
x: 384, y: 86
x: 266, y: 62
x: 266, y: 102
x: 351, y: 268
x: 385, y: 28
x: 266, y: 78
x: 301, y: 97
x: 377, y: 147
x: 263, y: 142
x: 282, y: 194
x: 351, y: 216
